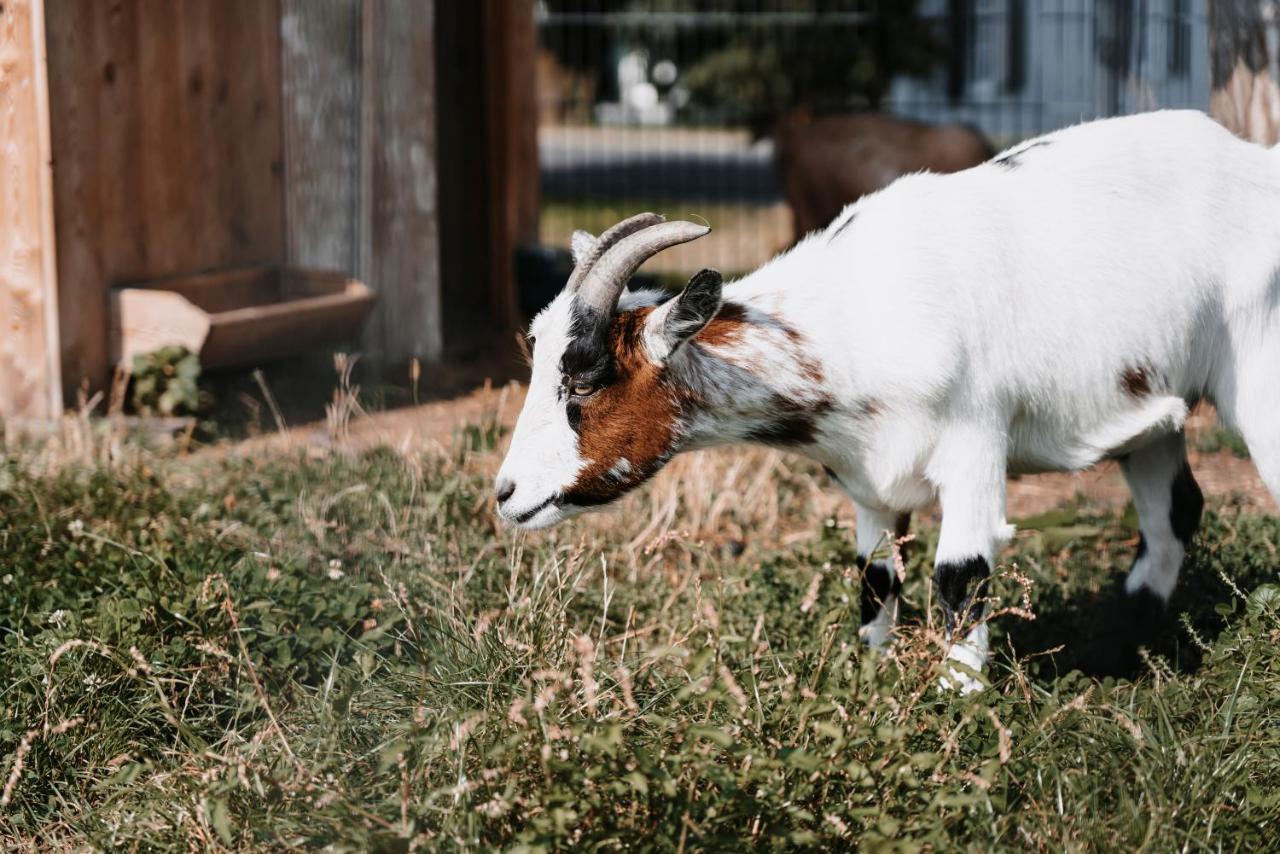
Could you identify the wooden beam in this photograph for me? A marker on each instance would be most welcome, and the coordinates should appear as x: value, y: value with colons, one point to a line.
x: 29, y: 369
x: 321, y: 44
x: 403, y: 230
x: 512, y: 144
x: 1245, y: 96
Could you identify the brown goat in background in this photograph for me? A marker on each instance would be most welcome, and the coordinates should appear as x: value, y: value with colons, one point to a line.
x: 827, y: 162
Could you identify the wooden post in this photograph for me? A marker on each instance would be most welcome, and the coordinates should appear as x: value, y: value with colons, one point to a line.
x: 403, y: 236
x: 1245, y: 96
x: 512, y: 143
x: 29, y: 369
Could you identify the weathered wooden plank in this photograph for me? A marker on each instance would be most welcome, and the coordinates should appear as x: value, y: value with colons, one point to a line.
x: 404, y: 262
x: 76, y: 72
x: 251, y: 60
x: 29, y: 384
x: 511, y: 141
x: 115, y: 78
x: 320, y: 67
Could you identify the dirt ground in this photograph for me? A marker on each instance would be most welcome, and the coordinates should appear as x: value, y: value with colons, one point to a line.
x: 435, y: 424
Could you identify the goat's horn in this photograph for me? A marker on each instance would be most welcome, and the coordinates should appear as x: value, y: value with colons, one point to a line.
x: 603, y: 284
x: 628, y: 226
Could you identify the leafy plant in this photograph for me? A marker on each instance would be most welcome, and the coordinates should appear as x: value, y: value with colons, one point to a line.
x: 166, y: 382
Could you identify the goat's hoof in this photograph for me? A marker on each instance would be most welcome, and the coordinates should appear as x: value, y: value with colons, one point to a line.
x: 956, y: 681
x: 876, y: 637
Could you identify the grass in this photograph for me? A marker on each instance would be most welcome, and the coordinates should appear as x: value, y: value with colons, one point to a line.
x: 307, y: 650
x: 1220, y: 438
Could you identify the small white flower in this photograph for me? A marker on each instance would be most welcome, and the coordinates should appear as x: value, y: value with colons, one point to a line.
x: 76, y: 527
x: 92, y: 682
x: 58, y: 618
x: 8, y: 578
x: 335, y: 569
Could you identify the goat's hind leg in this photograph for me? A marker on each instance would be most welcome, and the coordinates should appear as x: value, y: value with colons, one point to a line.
x: 1169, y: 504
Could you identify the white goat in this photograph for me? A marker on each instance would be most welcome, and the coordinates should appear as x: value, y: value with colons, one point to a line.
x: 1063, y: 303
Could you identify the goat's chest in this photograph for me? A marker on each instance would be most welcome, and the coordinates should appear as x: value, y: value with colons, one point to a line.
x: 881, y: 465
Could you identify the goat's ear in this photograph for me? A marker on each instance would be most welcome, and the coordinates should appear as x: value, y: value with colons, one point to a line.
x: 581, y: 244
x: 674, y: 323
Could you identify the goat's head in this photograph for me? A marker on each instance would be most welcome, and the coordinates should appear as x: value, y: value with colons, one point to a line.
x: 603, y: 412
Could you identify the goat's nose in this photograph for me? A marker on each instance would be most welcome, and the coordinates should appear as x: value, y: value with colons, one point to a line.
x: 504, y: 490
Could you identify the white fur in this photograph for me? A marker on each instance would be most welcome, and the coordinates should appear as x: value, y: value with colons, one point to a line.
x: 543, y: 458
x: 989, y: 314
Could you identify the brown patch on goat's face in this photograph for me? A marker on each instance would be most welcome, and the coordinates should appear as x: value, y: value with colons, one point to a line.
x: 635, y: 418
x: 1136, y: 381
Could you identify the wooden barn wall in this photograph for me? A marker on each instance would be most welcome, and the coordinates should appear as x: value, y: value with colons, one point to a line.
x: 359, y: 116
x: 167, y: 150
x: 28, y: 335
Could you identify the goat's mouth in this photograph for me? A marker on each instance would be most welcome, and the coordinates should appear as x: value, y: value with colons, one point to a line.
x: 542, y: 515
x: 528, y: 515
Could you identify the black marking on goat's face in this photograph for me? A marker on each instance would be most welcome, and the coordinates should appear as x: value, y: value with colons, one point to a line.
x: 962, y: 587
x: 586, y: 358
x: 1012, y: 161
x: 1186, y: 504
x: 632, y: 422
x: 879, y: 582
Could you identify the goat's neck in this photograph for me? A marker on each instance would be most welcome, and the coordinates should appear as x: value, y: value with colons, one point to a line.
x: 752, y: 376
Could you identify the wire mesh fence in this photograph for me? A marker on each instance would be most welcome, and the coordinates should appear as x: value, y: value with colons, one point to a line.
x: 671, y: 105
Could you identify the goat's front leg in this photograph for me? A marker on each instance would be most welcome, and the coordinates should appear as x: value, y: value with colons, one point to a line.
x: 968, y: 468
x: 880, y: 582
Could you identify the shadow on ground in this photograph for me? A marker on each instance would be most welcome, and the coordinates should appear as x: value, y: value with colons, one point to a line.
x: 1085, y: 622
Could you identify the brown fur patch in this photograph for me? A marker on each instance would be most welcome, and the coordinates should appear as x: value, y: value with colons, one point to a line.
x: 726, y: 328
x: 1136, y: 381
x: 635, y: 417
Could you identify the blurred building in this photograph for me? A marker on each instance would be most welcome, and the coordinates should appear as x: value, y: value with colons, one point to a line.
x: 1023, y: 68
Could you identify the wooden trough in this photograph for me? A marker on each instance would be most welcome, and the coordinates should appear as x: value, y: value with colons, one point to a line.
x: 238, y: 318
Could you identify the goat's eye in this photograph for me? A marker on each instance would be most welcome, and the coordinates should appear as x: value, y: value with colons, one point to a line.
x: 581, y: 389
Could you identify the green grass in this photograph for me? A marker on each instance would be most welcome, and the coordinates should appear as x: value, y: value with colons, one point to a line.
x: 346, y: 651
x: 1222, y: 439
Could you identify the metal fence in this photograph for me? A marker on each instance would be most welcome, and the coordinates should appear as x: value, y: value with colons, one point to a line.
x: 631, y: 114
